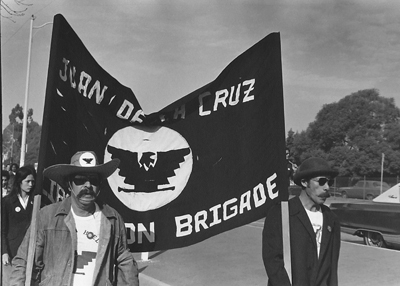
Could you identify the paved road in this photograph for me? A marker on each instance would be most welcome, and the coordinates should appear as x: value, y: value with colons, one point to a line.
x: 234, y: 258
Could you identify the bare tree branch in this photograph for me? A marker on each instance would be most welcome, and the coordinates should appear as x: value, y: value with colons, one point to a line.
x: 21, y: 3
x: 12, y: 11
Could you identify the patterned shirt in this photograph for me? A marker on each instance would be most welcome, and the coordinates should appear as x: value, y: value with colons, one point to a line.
x: 88, y: 234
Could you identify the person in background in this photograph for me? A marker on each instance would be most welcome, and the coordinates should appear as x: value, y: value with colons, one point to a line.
x: 13, y: 171
x: 5, y: 177
x: 291, y: 167
x: 16, y: 214
x: 80, y: 240
x: 314, y: 231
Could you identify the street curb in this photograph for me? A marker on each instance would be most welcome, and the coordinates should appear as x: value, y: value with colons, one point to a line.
x: 151, y: 281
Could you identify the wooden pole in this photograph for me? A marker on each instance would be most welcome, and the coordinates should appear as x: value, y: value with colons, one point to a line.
x: 32, y: 240
x: 383, y: 160
x: 286, y: 239
x: 145, y: 256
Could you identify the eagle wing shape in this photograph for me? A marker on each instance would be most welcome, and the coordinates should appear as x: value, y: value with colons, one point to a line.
x: 128, y: 167
x: 169, y: 161
x: 154, y: 178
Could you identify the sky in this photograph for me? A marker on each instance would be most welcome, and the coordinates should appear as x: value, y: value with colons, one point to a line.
x: 163, y: 50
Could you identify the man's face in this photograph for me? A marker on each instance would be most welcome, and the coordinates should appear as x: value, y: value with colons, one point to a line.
x: 318, y: 189
x: 85, y: 187
x: 4, y: 181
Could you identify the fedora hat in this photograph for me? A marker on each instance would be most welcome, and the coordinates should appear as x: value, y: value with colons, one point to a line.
x: 81, y: 162
x: 313, y: 167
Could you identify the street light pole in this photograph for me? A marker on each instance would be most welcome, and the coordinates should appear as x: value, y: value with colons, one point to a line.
x: 25, y: 119
x: 383, y: 160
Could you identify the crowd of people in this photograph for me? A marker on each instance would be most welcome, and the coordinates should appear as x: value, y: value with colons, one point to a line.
x: 83, y: 241
x: 7, y: 178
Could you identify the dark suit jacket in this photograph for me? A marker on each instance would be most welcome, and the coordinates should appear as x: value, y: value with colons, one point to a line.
x: 307, y: 268
x: 15, y: 221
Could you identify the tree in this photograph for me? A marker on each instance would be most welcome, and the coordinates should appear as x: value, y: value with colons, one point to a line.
x: 353, y: 133
x: 10, y: 145
x: 290, y: 139
x: 33, y: 143
x: 12, y: 136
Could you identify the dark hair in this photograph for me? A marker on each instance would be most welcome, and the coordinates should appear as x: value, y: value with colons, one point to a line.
x: 307, y: 180
x: 4, y: 173
x: 14, y: 164
x: 21, y: 175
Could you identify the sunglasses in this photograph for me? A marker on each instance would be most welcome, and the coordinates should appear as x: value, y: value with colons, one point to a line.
x: 80, y: 180
x: 323, y: 181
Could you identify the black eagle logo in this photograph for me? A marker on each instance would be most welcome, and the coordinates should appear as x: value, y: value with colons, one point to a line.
x: 148, y: 172
x: 88, y: 160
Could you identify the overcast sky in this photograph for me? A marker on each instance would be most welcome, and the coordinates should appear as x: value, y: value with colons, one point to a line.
x: 164, y: 50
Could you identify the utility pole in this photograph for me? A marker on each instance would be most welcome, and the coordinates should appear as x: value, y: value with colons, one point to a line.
x: 25, y: 119
x: 383, y: 160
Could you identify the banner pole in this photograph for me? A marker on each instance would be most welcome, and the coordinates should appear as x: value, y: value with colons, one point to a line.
x: 286, y: 239
x: 32, y: 240
x: 383, y: 160
x: 145, y: 256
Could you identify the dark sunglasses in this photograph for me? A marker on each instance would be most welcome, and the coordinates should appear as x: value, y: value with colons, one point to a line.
x: 80, y: 180
x: 323, y: 181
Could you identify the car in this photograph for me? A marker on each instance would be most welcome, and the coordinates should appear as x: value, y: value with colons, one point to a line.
x: 365, y: 189
x: 377, y: 223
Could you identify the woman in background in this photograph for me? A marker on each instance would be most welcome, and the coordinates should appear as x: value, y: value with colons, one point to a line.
x: 16, y: 212
x: 13, y: 171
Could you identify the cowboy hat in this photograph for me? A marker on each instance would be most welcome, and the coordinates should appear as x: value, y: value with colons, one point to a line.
x: 313, y: 167
x: 81, y: 162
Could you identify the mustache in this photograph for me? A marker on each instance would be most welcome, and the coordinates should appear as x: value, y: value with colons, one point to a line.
x: 86, y: 191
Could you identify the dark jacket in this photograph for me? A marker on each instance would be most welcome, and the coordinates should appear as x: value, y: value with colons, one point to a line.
x: 56, y: 248
x: 15, y: 221
x: 307, y: 268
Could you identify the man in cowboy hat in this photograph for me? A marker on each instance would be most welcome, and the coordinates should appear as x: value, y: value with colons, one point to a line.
x: 314, y: 231
x: 80, y: 241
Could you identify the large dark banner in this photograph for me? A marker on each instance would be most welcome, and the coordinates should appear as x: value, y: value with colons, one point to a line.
x: 209, y: 162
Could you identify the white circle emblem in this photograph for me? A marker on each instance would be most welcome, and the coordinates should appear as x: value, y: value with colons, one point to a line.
x: 155, y: 166
x: 87, y: 159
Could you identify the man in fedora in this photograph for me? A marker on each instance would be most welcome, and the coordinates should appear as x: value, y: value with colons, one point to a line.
x: 314, y: 231
x: 80, y: 241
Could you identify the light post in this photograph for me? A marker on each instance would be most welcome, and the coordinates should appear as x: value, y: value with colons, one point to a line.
x: 383, y: 160
x: 25, y: 119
